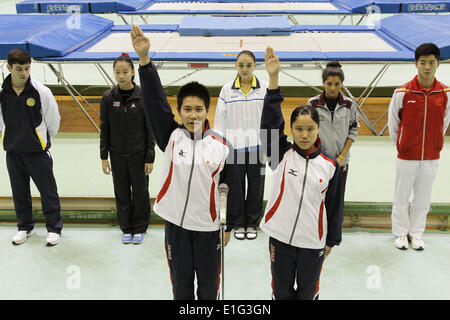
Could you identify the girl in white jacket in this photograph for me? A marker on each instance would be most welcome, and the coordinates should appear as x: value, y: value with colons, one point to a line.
x: 303, y: 216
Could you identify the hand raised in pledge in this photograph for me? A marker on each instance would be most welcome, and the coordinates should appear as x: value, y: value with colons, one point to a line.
x: 141, y: 43
x: 272, y: 62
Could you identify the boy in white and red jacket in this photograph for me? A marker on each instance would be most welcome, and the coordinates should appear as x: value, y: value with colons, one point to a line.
x: 196, y: 161
x: 418, y: 118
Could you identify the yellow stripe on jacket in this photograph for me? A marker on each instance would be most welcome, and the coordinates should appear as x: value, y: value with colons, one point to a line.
x: 43, y: 144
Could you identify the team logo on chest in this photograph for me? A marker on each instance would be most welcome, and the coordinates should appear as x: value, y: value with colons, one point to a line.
x: 31, y: 102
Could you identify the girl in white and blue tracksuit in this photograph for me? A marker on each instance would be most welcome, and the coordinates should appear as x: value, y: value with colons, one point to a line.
x: 238, y: 117
x: 303, y: 216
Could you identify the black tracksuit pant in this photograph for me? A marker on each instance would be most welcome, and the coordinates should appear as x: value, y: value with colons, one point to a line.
x: 291, y: 264
x: 131, y: 191
x: 189, y: 254
x: 251, y: 166
x: 39, y: 167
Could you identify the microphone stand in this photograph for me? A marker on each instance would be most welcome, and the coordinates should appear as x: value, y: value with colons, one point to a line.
x: 223, y: 188
x: 222, y: 255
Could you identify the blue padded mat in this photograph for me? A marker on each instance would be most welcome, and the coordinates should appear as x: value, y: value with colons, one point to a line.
x: 137, y: 6
x: 395, y: 6
x: 47, y: 36
x: 82, y: 6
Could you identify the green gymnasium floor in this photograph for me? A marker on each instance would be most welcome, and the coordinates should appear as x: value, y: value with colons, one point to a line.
x: 92, y: 263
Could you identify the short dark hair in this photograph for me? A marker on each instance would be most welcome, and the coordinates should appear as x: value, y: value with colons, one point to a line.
x: 193, y: 89
x: 333, y: 68
x: 426, y: 49
x: 247, y: 52
x: 308, y: 109
x: 18, y: 56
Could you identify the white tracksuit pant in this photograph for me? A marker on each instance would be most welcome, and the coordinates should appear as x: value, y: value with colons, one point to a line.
x: 418, y: 177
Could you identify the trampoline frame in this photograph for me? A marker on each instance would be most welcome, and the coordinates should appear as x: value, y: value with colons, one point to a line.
x: 190, y: 68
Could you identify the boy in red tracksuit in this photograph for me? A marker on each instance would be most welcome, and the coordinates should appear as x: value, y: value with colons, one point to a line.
x: 418, y: 118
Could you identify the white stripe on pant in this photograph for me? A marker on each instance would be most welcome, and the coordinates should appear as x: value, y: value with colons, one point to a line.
x: 416, y: 177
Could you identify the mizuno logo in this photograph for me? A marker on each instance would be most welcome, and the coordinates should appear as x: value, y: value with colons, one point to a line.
x: 321, y: 253
x: 181, y: 153
x: 293, y: 172
x: 411, y: 101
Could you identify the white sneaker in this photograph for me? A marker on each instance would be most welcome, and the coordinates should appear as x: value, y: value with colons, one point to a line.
x: 239, y: 233
x: 417, y: 243
x: 22, y: 236
x: 401, y: 242
x: 53, y: 239
x: 251, y: 233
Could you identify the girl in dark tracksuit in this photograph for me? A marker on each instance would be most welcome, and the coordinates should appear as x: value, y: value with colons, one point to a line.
x: 124, y: 135
x: 303, y: 215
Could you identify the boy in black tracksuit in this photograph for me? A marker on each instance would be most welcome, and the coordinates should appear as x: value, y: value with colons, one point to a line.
x: 124, y: 135
x: 29, y: 118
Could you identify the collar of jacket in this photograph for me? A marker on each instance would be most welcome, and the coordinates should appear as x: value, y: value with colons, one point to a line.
x: 414, y: 85
x: 322, y: 102
x: 313, y: 155
x: 191, y: 136
x: 7, y: 84
x: 135, y: 95
x: 237, y: 83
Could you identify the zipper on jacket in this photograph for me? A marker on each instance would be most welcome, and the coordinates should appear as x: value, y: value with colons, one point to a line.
x: 424, y: 126
x: 189, y: 185
x: 401, y: 134
x: 424, y: 119
x: 124, y: 103
x: 301, y: 200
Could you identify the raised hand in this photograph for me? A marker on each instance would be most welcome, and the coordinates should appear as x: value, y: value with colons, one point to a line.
x: 272, y: 62
x: 141, y: 43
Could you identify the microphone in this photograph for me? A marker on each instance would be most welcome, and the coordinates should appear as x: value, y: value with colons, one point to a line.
x: 223, y: 194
